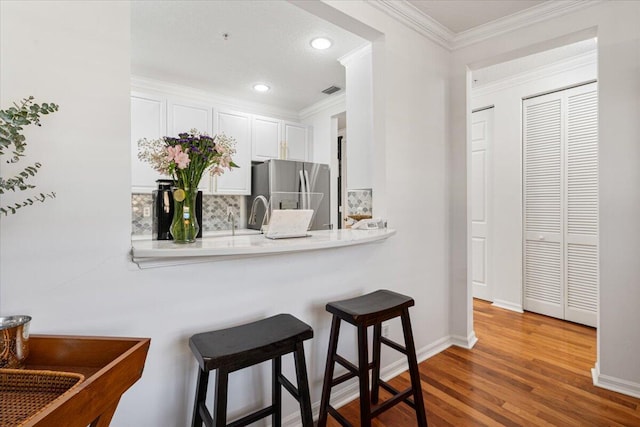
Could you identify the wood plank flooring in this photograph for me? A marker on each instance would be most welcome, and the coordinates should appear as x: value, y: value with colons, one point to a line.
x: 526, y: 370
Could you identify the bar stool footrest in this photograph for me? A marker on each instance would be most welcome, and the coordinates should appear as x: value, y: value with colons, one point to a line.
x: 338, y: 417
x: 394, y: 345
x: 387, y: 404
x: 293, y: 390
x: 253, y: 417
x: 385, y: 385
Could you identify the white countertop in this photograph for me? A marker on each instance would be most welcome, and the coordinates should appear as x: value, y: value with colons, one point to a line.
x: 156, y: 253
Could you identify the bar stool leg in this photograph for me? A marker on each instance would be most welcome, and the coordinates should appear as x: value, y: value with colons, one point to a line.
x: 220, y: 399
x: 413, y: 369
x: 276, y: 391
x: 328, y: 371
x: 303, y: 386
x: 363, y: 374
x: 375, y: 375
x: 201, y: 393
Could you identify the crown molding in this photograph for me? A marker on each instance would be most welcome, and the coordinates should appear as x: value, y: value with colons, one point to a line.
x: 145, y: 84
x: 558, y: 67
x: 542, y: 12
x: 407, y: 14
x: 346, y: 59
x: 412, y: 17
x: 331, y: 102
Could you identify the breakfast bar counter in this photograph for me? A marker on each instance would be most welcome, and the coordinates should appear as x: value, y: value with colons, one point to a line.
x: 157, y: 253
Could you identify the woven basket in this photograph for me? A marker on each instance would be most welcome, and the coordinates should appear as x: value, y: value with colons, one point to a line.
x: 24, y: 393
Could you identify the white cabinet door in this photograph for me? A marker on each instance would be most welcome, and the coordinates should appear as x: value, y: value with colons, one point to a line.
x: 148, y: 120
x: 238, y: 126
x: 295, y: 141
x: 184, y: 116
x: 265, y: 138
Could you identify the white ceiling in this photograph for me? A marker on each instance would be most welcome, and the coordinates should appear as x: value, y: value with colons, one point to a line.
x: 268, y: 41
x: 463, y: 15
x: 509, y: 69
x: 181, y: 42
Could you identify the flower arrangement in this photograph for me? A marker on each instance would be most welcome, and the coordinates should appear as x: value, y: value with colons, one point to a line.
x: 186, y: 158
x: 12, y: 122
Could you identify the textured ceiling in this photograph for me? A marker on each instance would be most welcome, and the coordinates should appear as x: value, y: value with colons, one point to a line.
x: 462, y: 15
x: 268, y: 41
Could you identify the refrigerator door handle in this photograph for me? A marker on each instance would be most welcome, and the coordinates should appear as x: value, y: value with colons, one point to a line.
x: 306, y: 176
x: 304, y: 190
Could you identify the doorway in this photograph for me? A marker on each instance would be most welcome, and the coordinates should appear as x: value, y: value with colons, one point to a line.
x: 504, y: 86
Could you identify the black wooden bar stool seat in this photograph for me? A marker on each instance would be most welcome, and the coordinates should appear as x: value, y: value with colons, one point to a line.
x: 231, y: 349
x: 364, y: 311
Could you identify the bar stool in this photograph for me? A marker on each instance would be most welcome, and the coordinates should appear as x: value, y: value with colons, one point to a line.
x: 231, y: 349
x: 364, y: 311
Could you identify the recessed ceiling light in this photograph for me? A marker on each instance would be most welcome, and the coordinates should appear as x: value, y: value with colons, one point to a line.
x: 261, y: 87
x: 321, y: 43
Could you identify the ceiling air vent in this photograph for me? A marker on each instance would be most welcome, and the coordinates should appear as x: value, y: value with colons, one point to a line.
x: 331, y: 89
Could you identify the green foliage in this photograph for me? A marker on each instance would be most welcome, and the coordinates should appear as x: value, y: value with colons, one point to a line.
x: 12, y: 142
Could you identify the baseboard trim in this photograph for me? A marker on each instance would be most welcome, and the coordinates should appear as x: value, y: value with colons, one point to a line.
x: 614, y: 384
x: 348, y: 394
x: 508, y: 305
x: 463, y: 342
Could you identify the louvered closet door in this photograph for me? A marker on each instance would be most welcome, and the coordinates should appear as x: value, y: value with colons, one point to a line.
x: 542, y: 184
x: 581, y: 237
x: 560, y: 166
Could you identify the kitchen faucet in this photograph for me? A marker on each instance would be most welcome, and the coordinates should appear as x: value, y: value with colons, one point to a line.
x: 252, y: 215
x: 231, y: 217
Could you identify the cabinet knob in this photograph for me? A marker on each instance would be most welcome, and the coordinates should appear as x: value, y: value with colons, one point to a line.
x: 541, y: 237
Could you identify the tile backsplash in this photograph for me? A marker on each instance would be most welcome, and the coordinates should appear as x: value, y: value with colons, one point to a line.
x: 214, y: 212
x: 359, y: 202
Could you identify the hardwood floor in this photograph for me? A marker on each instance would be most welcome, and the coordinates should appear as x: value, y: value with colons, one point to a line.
x: 525, y: 370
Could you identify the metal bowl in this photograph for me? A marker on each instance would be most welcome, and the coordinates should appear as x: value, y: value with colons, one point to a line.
x: 14, y: 341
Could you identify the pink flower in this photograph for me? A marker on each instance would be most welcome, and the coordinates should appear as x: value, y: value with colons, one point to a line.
x: 175, y: 154
x: 182, y: 160
x: 217, y: 170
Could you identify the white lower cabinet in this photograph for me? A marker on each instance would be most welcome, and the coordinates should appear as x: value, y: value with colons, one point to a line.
x: 238, y: 126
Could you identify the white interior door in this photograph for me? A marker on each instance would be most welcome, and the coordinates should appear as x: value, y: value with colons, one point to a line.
x: 481, y: 138
x: 560, y: 141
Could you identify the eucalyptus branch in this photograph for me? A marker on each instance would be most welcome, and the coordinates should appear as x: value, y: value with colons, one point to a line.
x: 12, y: 123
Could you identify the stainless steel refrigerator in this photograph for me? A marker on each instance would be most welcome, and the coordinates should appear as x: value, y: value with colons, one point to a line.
x: 287, y: 184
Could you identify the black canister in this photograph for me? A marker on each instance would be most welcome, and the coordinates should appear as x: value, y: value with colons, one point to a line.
x: 163, y: 210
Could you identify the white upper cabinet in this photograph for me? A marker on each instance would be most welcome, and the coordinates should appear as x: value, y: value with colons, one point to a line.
x: 148, y: 120
x: 258, y: 138
x: 279, y: 139
x: 238, y: 126
x: 184, y: 116
x: 266, y: 138
x: 295, y: 140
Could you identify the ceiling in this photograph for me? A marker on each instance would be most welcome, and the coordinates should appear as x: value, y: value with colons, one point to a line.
x: 463, y: 15
x: 183, y: 42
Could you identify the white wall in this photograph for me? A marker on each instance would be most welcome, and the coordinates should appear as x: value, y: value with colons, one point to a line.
x: 66, y: 262
x: 359, y: 81
x: 505, y: 201
x: 615, y: 24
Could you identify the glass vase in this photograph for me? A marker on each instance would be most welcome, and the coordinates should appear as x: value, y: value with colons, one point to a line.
x: 184, y: 226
